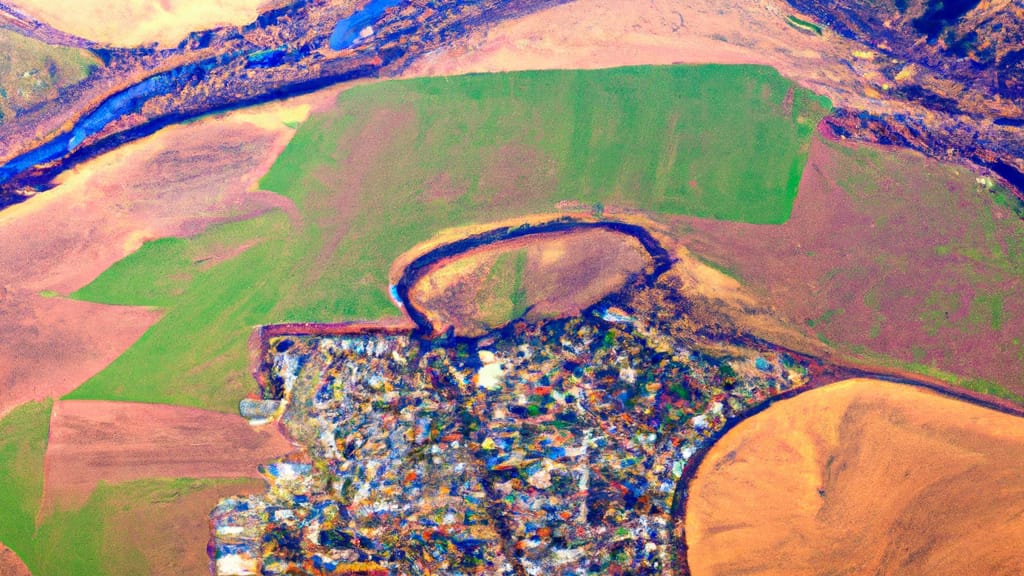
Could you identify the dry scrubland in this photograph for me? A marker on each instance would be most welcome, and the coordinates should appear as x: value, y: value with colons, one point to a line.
x: 140, y: 22
x: 862, y: 477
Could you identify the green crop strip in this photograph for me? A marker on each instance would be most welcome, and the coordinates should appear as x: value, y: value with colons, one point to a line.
x: 803, y: 25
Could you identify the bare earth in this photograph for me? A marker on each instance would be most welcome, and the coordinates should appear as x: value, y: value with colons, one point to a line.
x: 140, y: 22
x: 862, y: 477
x: 11, y: 564
x: 51, y: 345
x: 174, y: 183
x: 93, y: 440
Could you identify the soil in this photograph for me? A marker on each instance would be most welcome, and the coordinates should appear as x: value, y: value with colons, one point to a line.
x: 11, y: 564
x: 52, y: 345
x: 862, y: 477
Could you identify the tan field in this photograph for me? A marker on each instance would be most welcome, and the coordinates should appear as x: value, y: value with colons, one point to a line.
x: 140, y: 22
x: 55, y: 344
x: 92, y: 440
x: 862, y: 477
x: 552, y: 275
x: 10, y: 564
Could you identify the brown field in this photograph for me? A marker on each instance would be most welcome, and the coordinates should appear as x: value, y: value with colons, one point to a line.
x: 51, y: 345
x: 140, y: 22
x: 174, y: 183
x: 862, y: 477
x: 550, y: 275
x: 887, y: 253
x: 10, y: 564
x: 117, y: 442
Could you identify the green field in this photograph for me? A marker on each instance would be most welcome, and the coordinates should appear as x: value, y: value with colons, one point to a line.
x: 715, y: 141
x: 116, y: 532
x: 502, y: 295
x: 23, y: 435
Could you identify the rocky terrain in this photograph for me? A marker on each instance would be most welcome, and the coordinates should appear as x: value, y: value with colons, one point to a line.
x: 963, y: 62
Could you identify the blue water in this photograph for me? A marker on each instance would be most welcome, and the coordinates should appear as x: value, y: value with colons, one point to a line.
x: 125, y: 102
x: 132, y: 99
x: 346, y: 31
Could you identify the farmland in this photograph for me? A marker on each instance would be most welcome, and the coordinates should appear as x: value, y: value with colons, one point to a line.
x: 891, y: 259
x: 362, y: 197
x: 861, y: 476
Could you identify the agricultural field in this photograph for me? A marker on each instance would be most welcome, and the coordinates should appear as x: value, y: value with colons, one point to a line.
x: 23, y: 435
x: 175, y: 183
x: 891, y: 259
x: 44, y: 539
x: 505, y: 154
x: 93, y: 442
x: 866, y: 477
x: 123, y: 528
x: 179, y: 172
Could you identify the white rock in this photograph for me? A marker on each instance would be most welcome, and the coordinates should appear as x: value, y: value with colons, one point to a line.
x: 237, y: 565
x: 490, y: 376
